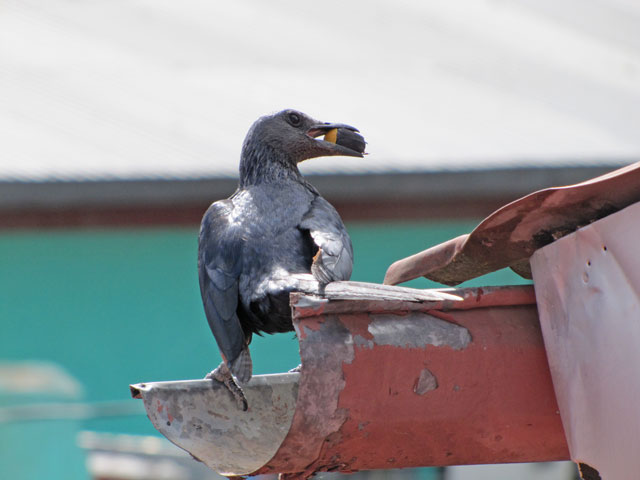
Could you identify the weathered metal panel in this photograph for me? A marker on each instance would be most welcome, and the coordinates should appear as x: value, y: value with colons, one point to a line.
x: 588, y: 289
x: 509, y: 236
x: 202, y: 417
x: 421, y: 389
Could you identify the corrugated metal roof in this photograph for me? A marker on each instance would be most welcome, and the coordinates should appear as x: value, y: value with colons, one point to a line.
x: 161, y: 89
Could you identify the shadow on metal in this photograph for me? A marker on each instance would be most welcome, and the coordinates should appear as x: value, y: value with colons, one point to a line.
x: 461, y: 378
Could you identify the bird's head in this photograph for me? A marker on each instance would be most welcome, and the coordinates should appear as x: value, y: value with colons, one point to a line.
x: 294, y: 136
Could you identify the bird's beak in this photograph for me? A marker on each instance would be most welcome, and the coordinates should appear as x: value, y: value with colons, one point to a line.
x: 339, y: 139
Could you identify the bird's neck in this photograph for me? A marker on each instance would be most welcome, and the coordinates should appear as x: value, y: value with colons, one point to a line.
x: 266, y: 165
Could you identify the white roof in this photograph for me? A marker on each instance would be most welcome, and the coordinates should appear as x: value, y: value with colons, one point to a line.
x: 150, y: 88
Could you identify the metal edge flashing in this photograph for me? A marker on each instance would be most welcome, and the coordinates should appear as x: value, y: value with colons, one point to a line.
x: 588, y: 285
x: 510, y: 235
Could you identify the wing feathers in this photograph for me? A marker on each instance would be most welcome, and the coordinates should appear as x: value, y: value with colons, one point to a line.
x: 219, y: 253
x: 242, y: 366
x: 334, y: 260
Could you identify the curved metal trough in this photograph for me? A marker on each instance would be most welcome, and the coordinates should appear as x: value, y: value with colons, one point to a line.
x: 202, y: 418
x: 405, y: 378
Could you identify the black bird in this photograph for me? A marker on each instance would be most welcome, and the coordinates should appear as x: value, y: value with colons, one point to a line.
x: 256, y: 246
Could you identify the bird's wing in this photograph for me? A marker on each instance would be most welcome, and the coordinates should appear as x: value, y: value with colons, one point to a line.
x: 334, y: 260
x: 219, y: 267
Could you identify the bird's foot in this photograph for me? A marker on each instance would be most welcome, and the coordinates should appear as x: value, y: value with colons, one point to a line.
x: 223, y: 375
x: 296, y: 369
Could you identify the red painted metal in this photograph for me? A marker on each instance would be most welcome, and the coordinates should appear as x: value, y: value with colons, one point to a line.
x: 366, y: 394
x: 509, y: 236
x: 588, y: 284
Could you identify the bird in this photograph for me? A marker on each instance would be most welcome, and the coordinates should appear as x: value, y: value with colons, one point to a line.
x: 272, y: 236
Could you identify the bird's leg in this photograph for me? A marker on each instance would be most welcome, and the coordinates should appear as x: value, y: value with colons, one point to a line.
x: 223, y: 374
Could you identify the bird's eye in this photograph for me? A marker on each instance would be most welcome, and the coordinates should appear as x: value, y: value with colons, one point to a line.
x: 294, y: 119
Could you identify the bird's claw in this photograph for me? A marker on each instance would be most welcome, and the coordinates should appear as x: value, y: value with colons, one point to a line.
x: 223, y: 375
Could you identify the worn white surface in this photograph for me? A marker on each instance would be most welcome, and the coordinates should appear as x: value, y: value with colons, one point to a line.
x: 159, y: 88
x: 203, y: 418
x: 587, y: 287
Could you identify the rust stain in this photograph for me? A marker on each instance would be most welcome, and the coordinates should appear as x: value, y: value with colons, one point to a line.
x: 312, y: 324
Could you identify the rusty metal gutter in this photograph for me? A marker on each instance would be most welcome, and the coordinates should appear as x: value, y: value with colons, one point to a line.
x: 460, y: 378
x: 509, y: 236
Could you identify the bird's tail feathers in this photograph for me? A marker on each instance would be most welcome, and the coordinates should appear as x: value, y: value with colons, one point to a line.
x: 242, y: 366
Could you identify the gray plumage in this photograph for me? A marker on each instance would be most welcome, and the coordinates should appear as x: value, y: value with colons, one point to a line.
x: 257, y: 245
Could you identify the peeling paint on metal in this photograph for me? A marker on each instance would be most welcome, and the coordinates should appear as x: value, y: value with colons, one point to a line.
x: 362, y: 342
x: 417, y: 330
x: 325, y: 346
x: 443, y: 426
x: 333, y: 332
x: 426, y: 382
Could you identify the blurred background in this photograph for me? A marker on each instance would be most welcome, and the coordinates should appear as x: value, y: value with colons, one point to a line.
x: 121, y: 121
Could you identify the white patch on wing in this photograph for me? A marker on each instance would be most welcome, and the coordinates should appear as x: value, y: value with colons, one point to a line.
x: 240, y: 203
x: 281, y: 279
x: 278, y: 281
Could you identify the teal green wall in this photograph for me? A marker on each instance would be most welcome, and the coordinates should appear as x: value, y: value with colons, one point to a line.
x: 122, y: 306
